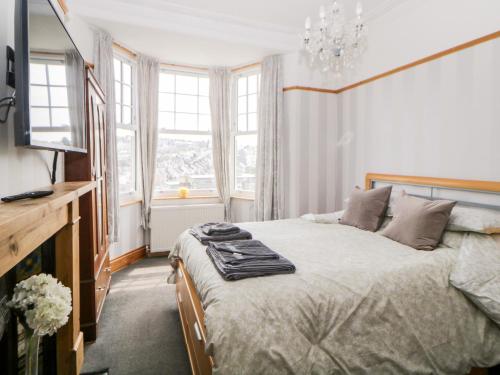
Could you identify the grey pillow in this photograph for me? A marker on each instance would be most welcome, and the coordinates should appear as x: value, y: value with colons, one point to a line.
x: 477, y: 272
x: 366, y: 209
x: 418, y: 222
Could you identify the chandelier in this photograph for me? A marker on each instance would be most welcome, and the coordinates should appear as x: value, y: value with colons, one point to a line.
x: 335, y: 43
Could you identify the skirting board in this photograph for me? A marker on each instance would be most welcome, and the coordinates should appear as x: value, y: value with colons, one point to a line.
x: 127, y: 259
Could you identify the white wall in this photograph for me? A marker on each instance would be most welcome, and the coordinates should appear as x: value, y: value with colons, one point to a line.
x: 438, y: 119
x: 131, y: 232
x: 309, y: 157
x: 419, y: 28
x: 298, y: 72
x: 23, y: 169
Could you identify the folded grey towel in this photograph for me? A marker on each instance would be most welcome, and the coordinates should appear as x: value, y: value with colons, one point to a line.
x: 197, y: 232
x: 236, y: 266
x: 235, y: 252
x: 212, y: 229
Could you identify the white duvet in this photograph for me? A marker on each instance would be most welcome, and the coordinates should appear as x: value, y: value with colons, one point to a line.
x: 359, y: 303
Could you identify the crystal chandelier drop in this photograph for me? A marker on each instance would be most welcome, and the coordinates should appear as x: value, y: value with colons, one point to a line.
x: 335, y: 43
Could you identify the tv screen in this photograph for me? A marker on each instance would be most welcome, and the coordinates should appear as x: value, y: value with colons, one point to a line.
x: 50, y: 78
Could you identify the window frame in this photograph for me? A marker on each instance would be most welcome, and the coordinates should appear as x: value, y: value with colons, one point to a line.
x: 193, y: 193
x: 133, y: 194
x: 235, y: 132
x: 46, y: 61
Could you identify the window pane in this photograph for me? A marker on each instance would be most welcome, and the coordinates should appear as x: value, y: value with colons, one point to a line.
x: 39, y: 117
x: 186, y: 157
x: 204, y: 106
x: 185, y: 121
x: 252, y: 84
x: 166, y: 102
x: 60, y: 117
x: 127, y: 73
x: 242, y: 104
x: 204, y: 86
x: 117, y: 68
x: 205, y: 123
x: 242, y: 123
x: 125, y: 145
x: 38, y: 74
x: 57, y: 75
x: 242, y: 86
x: 252, y: 103
x: 186, y: 84
x: 118, y: 92
x: 186, y: 103
x: 39, y: 96
x: 126, y: 115
x: 118, y: 114
x: 167, y: 82
x: 59, y: 96
x: 127, y: 95
x: 166, y: 120
x: 252, y: 121
x: 245, y: 159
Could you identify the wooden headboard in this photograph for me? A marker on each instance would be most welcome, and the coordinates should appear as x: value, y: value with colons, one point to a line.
x: 446, y: 183
x: 485, y: 194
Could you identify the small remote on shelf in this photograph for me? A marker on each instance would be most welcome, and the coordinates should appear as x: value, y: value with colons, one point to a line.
x: 30, y: 194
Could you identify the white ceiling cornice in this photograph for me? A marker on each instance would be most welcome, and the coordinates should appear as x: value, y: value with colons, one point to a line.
x: 159, y: 15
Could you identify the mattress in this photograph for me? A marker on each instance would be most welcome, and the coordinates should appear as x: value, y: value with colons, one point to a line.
x: 358, y: 303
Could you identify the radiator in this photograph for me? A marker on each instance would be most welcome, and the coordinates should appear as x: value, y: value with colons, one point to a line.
x: 168, y: 222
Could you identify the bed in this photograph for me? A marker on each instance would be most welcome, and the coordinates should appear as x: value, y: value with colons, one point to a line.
x: 358, y: 303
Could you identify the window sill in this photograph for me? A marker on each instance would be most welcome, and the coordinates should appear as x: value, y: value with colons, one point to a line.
x: 191, y: 197
x: 130, y: 202
x: 243, y: 195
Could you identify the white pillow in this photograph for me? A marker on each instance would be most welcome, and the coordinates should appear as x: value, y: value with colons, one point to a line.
x: 453, y: 239
x: 474, y: 219
x: 477, y: 272
x: 329, y: 218
x: 468, y: 219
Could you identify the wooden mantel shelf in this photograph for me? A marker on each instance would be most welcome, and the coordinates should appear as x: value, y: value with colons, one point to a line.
x: 24, y: 226
x: 18, y: 215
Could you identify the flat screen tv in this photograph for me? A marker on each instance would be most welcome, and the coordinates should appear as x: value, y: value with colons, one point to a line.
x: 50, y: 78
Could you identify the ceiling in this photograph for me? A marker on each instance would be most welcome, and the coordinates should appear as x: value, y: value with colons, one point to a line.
x: 215, y: 32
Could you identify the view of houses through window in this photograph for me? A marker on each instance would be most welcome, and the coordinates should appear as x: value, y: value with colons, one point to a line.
x: 184, y: 156
x: 126, y: 126
x: 244, y: 132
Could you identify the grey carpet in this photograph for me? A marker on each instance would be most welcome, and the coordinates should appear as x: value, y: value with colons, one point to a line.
x: 139, y: 330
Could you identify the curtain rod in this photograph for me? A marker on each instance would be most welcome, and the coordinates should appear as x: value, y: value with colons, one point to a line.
x: 133, y: 55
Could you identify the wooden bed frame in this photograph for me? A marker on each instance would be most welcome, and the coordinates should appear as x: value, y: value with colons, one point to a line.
x: 191, y: 310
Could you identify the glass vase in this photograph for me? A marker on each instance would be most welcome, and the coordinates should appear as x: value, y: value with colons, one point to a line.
x: 31, y: 352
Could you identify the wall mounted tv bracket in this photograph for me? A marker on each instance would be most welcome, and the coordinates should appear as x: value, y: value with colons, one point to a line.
x: 11, y: 74
x: 9, y: 101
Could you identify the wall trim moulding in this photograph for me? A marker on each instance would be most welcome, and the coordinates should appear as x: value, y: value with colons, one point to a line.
x: 314, y: 89
x: 413, y: 64
x: 64, y: 6
x: 127, y: 259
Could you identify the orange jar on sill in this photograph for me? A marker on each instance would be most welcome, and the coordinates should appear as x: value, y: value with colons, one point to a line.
x: 183, y: 192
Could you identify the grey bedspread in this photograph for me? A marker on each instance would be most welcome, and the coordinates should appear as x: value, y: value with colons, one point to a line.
x: 358, y: 303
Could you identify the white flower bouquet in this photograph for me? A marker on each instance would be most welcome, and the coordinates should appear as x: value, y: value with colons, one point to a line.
x: 43, y: 305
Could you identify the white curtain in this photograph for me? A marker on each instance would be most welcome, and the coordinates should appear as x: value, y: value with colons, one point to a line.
x: 104, y: 71
x: 148, y: 75
x: 269, y: 186
x: 220, y: 103
x: 75, y: 82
